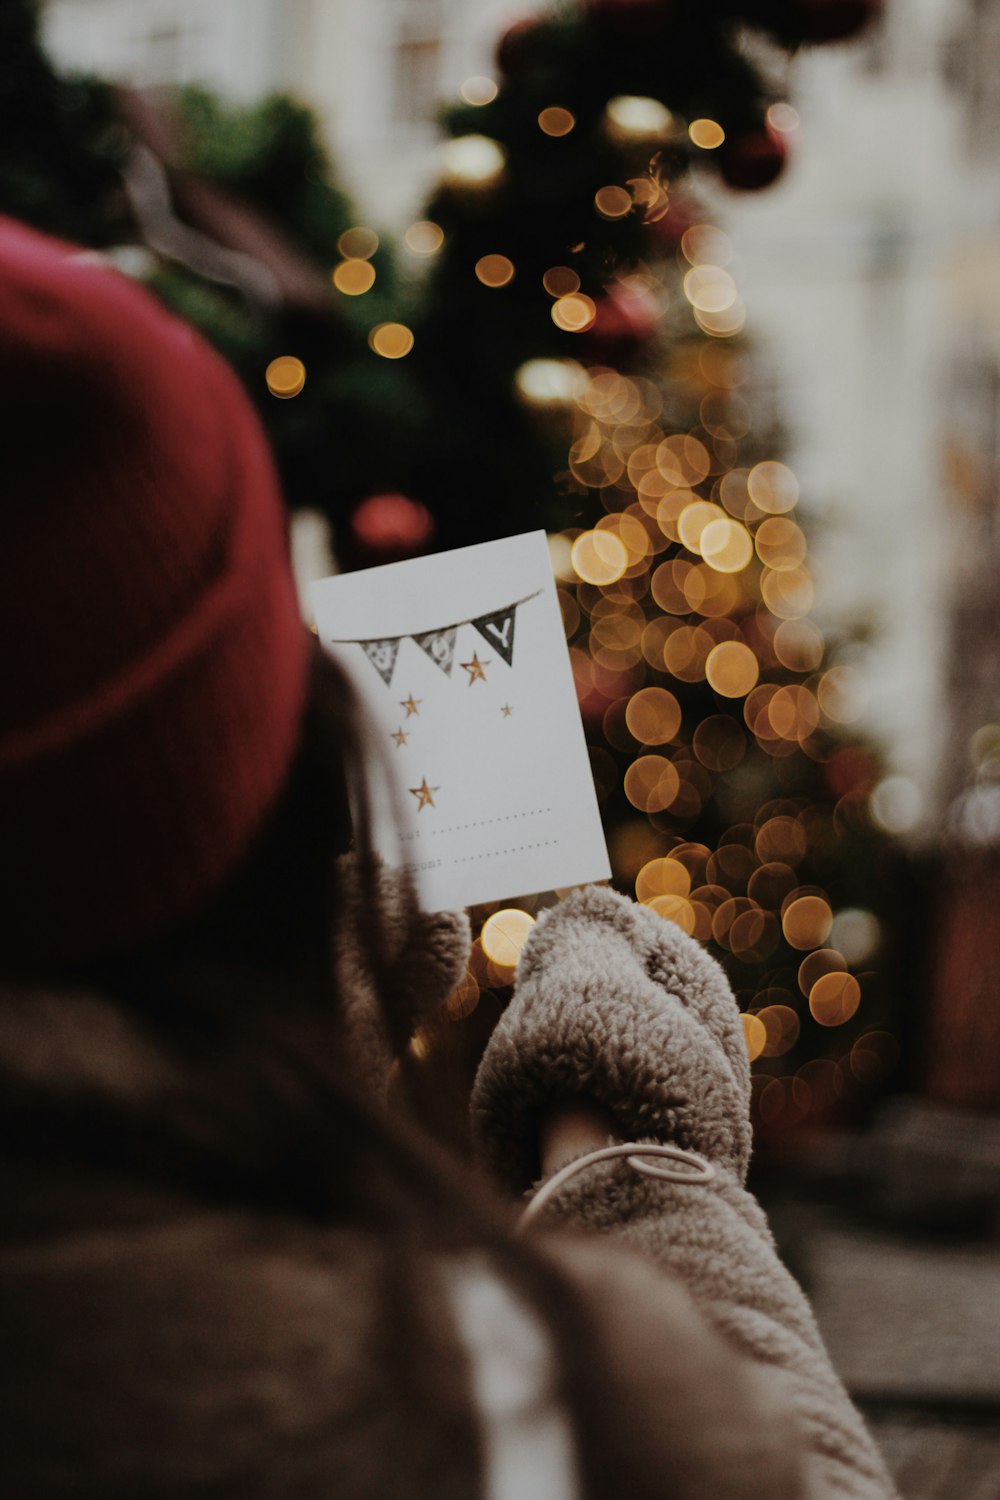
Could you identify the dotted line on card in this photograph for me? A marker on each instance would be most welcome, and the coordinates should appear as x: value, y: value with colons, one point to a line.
x: 469, y: 859
x: 536, y: 812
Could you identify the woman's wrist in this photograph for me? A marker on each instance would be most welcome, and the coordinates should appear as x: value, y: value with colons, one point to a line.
x: 572, y: 1129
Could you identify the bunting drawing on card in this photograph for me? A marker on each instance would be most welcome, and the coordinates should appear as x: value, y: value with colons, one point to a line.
x: 497, y: 627
x: 440, y: 647
x: 382, y: 655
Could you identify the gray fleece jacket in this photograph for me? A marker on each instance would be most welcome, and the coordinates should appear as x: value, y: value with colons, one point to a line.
x: 615, y: 1004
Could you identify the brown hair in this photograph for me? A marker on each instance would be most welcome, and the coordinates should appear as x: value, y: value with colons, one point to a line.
x: 243, y: 996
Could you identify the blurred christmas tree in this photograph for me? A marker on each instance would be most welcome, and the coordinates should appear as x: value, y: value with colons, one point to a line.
x: 582, y: 337
x: 563, y: 348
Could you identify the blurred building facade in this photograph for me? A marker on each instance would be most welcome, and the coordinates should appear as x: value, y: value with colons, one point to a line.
x: 870, y: 273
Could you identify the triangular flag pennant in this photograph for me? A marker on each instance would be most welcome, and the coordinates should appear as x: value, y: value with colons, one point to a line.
x: 440, y: 647
x: 382, y: 655
x: 498, y: 629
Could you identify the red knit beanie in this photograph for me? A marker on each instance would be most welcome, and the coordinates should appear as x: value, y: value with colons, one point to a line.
x: 154, y: 659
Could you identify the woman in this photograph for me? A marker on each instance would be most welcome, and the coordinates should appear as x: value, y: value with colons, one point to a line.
x: 227, y: 1269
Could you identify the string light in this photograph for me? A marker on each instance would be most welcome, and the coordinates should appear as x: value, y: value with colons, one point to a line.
x: 285, y: 376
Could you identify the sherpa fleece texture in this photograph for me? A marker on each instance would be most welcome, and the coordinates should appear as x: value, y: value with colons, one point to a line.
x: 614, y: 1003
x: 427, y: 956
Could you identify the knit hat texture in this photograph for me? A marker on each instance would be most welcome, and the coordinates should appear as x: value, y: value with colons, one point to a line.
x: 154, y: 659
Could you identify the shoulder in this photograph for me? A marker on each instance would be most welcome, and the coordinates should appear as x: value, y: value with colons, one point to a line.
x: 253, y: 1357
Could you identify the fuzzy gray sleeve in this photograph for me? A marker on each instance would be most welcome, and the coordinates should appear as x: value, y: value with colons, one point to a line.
x: 615, y: 1004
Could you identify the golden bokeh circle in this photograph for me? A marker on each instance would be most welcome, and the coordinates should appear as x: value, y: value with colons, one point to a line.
x: 806, y: 922
x: 674, y: 909
x: 834, y: 999
x: 613, y: 202
x: 754, y: 1035
x: 708, y: 134
x: 780, y: 544
x: 732, y: 669
x: 354, y: 277
x: 653, y: 715
x: 599, y: 557
x: 783, y: 1026
x: 494, y: 270
x: 391, y: 340
x: 556, y: 121
x: 815, y: 965
x: 358, y: 243
x: 661, y: 877
x: 773, y: 487
x: 424, y: 237
x: 694, y: 519
x: 726, y: 545
x: 463, y: 999
x: 504, y: 934
x: 573, y: 313
x: 561, y: 281
x: 651, y: 783
x: 683, y: 460
x: 285, y: 376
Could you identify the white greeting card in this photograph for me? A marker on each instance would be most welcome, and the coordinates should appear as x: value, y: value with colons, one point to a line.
x: 461, y: 659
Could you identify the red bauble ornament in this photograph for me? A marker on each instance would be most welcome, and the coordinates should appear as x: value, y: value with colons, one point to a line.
x: 625, y: 320
x: 391, y: 526
x: 752, y: 160
x: 851, y: 771
x: 832, y: 20
x: 633, y: 19
x: 518, y: 49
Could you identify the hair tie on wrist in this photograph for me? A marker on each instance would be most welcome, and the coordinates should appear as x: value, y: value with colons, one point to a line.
x: 696, y: 1172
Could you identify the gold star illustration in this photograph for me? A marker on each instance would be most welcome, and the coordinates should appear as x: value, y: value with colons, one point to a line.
x: 400, y: 736
x: 475, y: 668
x: 410, y: 704
x: 424, y: 794
x: 506, y: 710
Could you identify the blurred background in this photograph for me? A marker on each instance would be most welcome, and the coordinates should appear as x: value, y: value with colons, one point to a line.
x: 711, y: 292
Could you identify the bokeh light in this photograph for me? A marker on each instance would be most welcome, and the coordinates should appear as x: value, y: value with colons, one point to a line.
x: 834, y: 999
x: 726, y: 545
x: 706, y: 244
x: 391, y: 340
x: 550, y: 383
x: 561, y: 281
x: 651, y: 783
x: 424, y: 238
x: 285, y: 376
x: 472, y: 162
x: 630, y: 119
x: 354, y: 277
x: 358, y: 243
x: 897, y: 804
x: 504, y: 935
x: 731, y: 669
x: 479, y: 90
x: 783, y: 117
x: 708, y: 134
x: 773, y: 487
x: 653, y: 716
x: 556, y: 121
x: 857, y: 933
x: 807, y: 921
x: 754, y: 1035
x: 613, y: 202
x: 599, y: 557
x: 494, y: 270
